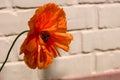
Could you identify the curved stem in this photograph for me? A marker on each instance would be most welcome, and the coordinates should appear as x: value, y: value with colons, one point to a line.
x: 11, y: 48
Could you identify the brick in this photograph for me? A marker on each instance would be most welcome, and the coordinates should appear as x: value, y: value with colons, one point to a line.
x: 116, y: 58
x: 25, y: 3
x: 106, y: 16
x: 2, y: 3
x: 75, y: 45
x: 91, y: 1
x: 100, y: 39
x: 91, y: 40
x: 61, y: 2
x: 70, y: 66
x: 8, y: 22
x: 110, y: 39
x: 18, y: 70
x: 71, y: 2
x: 6, y: 3
x: 104, y: 61
x: 80, y: 17
x: 35, y: 3
x: 63, y: 53
x: 87, y: 41
x: 6, y: 43
x: 116, y: 0
x: 5, y: 46
x: 24, y: 16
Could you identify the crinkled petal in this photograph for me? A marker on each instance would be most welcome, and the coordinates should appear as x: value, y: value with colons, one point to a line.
x: 29, y: 48
x: 64, y: 47
x: 29, y: 45
x: 44, y: 58
x: 47, y: 16
x: 31, y: 60
x: 62, y: 40
x: 32, y: 21
x: 53, y: 50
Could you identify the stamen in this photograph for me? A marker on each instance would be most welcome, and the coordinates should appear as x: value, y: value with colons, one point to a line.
x: 45, y: 36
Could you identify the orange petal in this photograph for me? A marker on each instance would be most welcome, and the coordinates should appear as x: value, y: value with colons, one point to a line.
x: 31, y: 60
x: 53, y: 50
x: 44, y: 58
x: 29, y: 48
x: 51, y: 29
x: 64, y: 47
x: 62, y: 25
x: 32, y: 21
x: 57, y: 16
x: 29, y: 45
x: 47, y: 16
x: 63, y: 38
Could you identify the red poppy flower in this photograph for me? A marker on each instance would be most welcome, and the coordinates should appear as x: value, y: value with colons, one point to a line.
x: 47, y: 32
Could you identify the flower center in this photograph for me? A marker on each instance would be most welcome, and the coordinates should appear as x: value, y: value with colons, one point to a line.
x: 45, y: 36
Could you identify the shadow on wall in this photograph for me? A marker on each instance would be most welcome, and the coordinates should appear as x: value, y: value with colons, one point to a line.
x: 53, y: 72
x: 50, y: 75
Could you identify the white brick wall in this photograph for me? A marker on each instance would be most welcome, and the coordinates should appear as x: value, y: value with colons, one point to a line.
x: 9, y: 21
x: 116, y: 57
x: 103, y: 61
x: 103, y: 39
x: 35, y: 3
x: 95, y: 25
x: 109, y: 15
x: 92, y: 1
x: 116, y: 0
x: 17, y: 70
x: 81, y: 17
x: 52, y: 72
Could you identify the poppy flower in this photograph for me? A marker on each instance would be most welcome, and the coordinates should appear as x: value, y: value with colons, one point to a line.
x: 47, y: 32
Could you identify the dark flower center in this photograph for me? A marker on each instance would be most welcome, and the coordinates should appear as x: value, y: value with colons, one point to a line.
x: 45, y: 36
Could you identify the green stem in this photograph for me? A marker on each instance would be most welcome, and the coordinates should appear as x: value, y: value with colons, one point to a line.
x: 11, y: 48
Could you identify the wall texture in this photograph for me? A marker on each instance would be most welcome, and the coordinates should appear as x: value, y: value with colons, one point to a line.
x: 95, y: 25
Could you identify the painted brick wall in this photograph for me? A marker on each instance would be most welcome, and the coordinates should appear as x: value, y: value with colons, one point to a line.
x: 95, y: 25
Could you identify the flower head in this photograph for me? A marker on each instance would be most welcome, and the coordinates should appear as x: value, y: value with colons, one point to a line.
x: 47, y: 32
